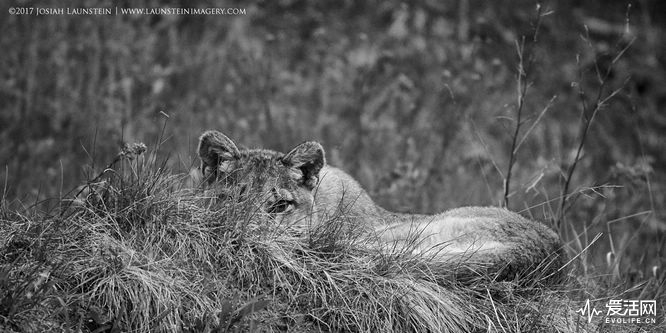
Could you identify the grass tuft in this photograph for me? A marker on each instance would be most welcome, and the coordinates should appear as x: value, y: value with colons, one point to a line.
x: 141, y: 252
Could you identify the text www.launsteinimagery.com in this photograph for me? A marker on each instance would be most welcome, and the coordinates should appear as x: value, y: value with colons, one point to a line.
x: 43, y: 11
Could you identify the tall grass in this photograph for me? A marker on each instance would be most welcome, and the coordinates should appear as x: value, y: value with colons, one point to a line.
x: 143, y: 253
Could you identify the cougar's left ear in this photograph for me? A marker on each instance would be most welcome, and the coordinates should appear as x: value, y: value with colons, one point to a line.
x: 308, y: 158
x: 215, y: 149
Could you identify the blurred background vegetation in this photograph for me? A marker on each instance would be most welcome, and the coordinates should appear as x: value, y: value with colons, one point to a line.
x: 418, y: 100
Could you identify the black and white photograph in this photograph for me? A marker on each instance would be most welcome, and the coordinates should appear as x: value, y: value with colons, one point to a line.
x: 453, y: 166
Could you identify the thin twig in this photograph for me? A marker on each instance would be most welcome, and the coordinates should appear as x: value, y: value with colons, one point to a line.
x: 586, y: 122
x: 522, y: 85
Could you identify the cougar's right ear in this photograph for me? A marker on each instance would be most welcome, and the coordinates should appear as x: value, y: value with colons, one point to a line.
x: 308, y: 159
x: 214, y: 149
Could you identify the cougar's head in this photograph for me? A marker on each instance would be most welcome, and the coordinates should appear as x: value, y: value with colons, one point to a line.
x: 280, y: 184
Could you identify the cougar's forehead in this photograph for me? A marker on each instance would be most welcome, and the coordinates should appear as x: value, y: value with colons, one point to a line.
x: 264, y: 169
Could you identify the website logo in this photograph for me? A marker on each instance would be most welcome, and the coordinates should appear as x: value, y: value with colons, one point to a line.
x: 623, y: 311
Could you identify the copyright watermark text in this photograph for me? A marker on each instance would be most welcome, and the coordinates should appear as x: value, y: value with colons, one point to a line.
x: 111, y: 11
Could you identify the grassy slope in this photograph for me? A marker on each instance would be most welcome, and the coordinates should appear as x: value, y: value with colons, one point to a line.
x: 142, y: 254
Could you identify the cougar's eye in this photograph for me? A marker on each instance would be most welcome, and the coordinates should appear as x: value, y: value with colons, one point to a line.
x: 281, y: 206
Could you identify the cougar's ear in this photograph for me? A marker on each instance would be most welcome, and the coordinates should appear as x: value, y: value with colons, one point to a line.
x: 307, y: 159
x: 214, y: 149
